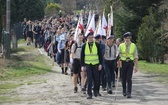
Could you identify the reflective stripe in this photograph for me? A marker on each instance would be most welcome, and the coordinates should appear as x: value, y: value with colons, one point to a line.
x: 91, y: 57
x: 124, y: 54
x: 94, y: 60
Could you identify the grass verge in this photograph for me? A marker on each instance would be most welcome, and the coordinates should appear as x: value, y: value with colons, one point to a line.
x: 25, y: 62
x: 8, y: 99
x: 154, y: 68
x: 6, y: 87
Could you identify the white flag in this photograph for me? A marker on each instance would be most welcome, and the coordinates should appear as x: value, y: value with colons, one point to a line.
x: 79, y: 27
x: 99, y: 28
x: 91, y: 27
x: 110, y: 22
x: 89, y: 18
x: 104, y: 25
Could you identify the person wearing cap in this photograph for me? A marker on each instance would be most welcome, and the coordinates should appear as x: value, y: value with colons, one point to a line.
x: 91, y: 60
x: 129, y: 62
x: 110, y: 61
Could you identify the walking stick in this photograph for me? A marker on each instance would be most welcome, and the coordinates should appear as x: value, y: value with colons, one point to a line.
x: 119, y: 66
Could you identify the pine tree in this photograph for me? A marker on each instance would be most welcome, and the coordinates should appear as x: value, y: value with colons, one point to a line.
x: 149, y: 36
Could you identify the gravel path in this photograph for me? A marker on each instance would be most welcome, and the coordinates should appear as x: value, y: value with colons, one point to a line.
x: 55, y: 88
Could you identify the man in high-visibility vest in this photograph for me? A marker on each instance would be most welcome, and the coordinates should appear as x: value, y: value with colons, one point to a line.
x: 129, y: 62
x: 91, y: 60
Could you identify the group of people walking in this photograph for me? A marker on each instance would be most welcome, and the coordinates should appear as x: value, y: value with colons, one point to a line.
x: 94, y: 60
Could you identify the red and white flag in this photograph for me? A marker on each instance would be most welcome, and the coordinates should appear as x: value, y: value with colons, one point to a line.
x: 79, y: 28
x: 91, y: 27
x: 104, y: 25
x: 110, y: 22
x: 89, y: 18
x: 99, y: 28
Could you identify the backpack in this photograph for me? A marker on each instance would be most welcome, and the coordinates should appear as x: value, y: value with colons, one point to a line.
x: 76, y: 46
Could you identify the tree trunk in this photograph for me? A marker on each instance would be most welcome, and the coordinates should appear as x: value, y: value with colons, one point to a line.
x: 14, y: 40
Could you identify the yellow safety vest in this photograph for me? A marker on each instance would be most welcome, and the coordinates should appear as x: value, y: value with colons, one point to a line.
x: 124, y: 54
x: 91, y: 57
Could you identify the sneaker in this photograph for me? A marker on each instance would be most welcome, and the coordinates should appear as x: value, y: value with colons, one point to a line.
x: 89, y: 97
x: 98, y: 94
x: 83, y: 90
x: 95, y: 93
x: 124, y: 94
x: 62, y: 71
x: 75, y: 89
x: 114, y: 85
x: 129, y: 96
x: 109, y: 91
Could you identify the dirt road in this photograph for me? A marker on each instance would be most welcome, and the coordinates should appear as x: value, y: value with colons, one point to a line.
x: 55, y: 88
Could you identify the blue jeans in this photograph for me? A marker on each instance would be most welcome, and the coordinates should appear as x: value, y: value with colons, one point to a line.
x: 109, y: 70
x: 92, y: 77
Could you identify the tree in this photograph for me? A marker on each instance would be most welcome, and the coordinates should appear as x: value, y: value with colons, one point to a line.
x: 149, y: 36
x: 140, y: 7
x: 68, y: 6
x: 2, y: 10
x: 57, y: 1
x: 130, y: 13
x: 30, y: 9
x: 0, y: 23
x: 52, y: 9
x: 45, y: 2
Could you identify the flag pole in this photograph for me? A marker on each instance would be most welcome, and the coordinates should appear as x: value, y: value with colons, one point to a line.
x: 97, y: 26
x: 111, y: 20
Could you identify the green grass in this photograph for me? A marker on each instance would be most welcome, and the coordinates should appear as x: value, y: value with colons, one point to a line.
x: 6, y: 87
x: 17, y: 50
x: 21, y: 41
x: 22, y: 69
x: 154, y: 68
x: 8, y: 99
x: 25, y: 62
x: 157, y: 69
x: 36, y: 82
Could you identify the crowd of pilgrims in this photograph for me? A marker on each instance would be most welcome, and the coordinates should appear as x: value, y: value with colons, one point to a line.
x: 56, y: 36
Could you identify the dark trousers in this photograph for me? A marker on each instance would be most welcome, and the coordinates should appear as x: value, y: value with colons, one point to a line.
x: 109, y: 69
x: 127, y: 70
x: 92, y: 77
x: 37, y: 40
x: 103, y: 78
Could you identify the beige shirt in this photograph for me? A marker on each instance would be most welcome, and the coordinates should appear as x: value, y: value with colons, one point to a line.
x: 110, y: 52
x: 77, y: 51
